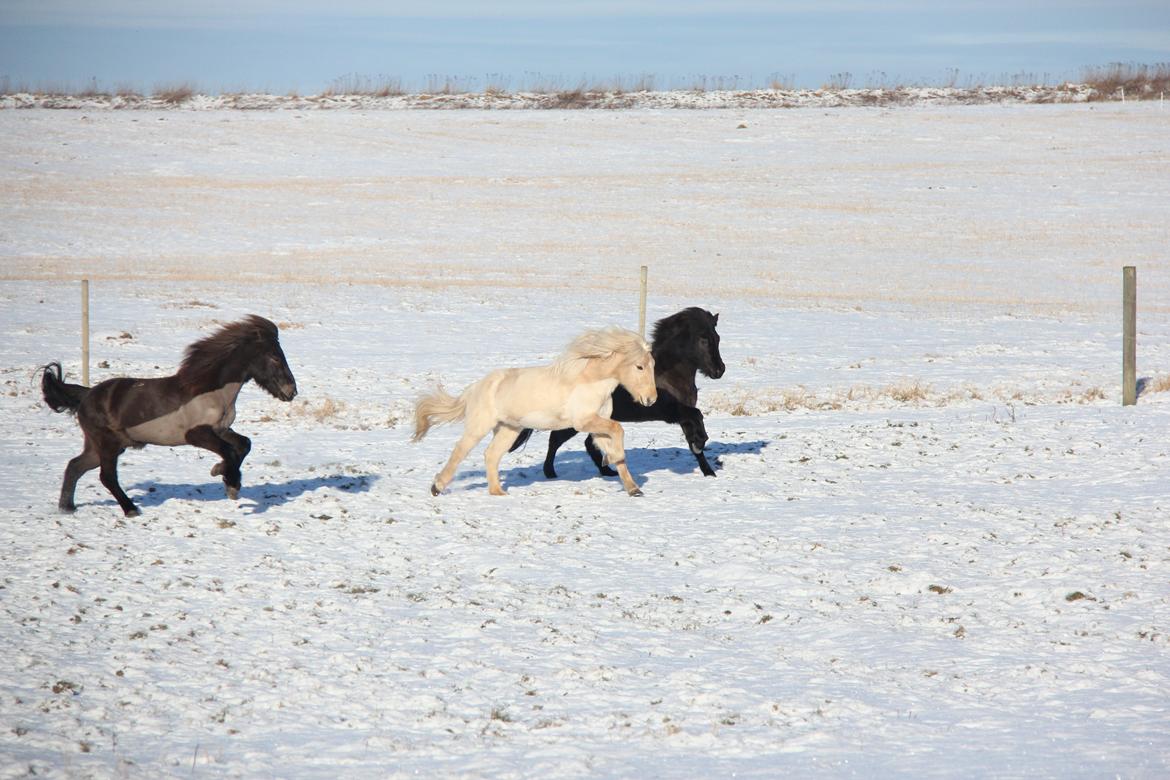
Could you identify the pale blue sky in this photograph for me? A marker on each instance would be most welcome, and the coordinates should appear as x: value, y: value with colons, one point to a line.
x: 305, y: 45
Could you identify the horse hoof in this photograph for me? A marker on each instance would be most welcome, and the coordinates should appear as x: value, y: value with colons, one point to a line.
x: 500, y: 492
x: 636, y: 492
x: 232, y: 492
x: 133, y: 512
x: 217, y: 469
x: 66, y: 509
x: 435, y: 489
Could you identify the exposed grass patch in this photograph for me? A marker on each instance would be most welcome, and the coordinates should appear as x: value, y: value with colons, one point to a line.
x: 746, y: 403
x: 356, y: 84
x: 1129, y: 81
x: 174, y: 94
x: 1159, y: 384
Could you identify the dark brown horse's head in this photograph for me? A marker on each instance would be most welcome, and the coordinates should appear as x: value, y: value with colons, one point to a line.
x: 237, y: 352
x: 268, y: 366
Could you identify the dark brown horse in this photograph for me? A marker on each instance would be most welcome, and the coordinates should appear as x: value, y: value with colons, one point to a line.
x: 195, y: 406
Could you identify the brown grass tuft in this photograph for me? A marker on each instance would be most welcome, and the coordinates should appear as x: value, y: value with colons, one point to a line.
x: 1159, y: 384
x: 907, y: 392
x: 174, y: 95
x: 1132, y: 81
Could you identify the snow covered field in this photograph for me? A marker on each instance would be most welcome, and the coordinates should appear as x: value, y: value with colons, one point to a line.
x: 937, y: 545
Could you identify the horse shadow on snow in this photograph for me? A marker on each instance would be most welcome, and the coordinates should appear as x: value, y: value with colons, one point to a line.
x: 262, y: 496
x: 576, y: 466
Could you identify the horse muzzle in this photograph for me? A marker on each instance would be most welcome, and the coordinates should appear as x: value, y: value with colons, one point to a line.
x: 715, y: 371
x: 647, y: 400
x: 288, y: 391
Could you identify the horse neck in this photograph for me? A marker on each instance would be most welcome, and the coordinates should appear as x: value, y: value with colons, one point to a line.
x: 232, y: 371
x: 603, y: 369
x: 675, y: 372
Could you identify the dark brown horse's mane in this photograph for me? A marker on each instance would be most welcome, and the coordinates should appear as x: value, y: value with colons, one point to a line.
x: 204, y: 361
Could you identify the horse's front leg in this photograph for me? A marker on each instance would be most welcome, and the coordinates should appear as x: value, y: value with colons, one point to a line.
x: 613, y: 442
x: 205, y: 437
x: 691, y: 422
x: 241, y: 444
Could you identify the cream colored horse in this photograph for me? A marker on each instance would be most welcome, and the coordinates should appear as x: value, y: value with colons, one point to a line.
x: 572, y: 392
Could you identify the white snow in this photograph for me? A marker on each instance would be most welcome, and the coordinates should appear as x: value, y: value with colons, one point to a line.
x: 937, y: 544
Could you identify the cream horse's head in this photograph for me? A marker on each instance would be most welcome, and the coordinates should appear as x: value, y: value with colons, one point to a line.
x: 615, y: 353
x: 636, y: 372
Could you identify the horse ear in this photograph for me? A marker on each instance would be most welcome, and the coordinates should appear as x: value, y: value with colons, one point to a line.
x: 716, y: 318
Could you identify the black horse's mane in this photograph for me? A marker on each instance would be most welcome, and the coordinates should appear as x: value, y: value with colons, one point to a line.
x: 203, y: 361
x: 678, y: 326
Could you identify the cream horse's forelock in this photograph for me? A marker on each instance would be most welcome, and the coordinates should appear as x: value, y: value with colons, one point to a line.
x: 598, y: 345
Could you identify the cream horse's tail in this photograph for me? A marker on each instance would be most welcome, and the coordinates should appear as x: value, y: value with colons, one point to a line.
x: 435, y: 409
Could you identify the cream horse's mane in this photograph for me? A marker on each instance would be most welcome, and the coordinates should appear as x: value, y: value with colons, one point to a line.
x: 598, y: 345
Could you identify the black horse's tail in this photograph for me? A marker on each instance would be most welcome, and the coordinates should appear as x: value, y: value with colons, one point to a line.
x: 521, y: 440
x: 60, y: 395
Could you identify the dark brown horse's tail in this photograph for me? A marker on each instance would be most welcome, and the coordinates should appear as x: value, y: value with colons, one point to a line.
x: 60, y: 395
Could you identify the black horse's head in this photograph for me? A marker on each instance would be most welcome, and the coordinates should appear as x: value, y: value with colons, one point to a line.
x: 707, y: 346
x: 689, y: 337
x: 698, y: 325
x: 268, y: 365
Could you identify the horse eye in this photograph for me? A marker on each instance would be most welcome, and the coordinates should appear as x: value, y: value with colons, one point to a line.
x: 640, y: 368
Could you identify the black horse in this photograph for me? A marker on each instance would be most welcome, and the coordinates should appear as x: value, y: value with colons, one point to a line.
x: 195, y: 406
x: 682, y: 344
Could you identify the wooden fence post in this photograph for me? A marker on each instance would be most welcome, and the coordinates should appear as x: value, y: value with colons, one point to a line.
x: 85, y: 332
x: 1129, y: 336
x: 642, y: 306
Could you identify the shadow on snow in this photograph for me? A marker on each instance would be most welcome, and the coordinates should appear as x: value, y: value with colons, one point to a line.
x: 576, y: 466
x: 262, y: 496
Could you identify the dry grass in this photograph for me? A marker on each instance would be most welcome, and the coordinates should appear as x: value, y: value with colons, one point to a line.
x: 325, y: 410
x: 1129, y: 81
x: 355, y: 84
x: 572, y: 98
x: 1160, y: 384
x: 747, y: 403
x: 448, y: 85
x: 908, y: 392
x: 174, y: 94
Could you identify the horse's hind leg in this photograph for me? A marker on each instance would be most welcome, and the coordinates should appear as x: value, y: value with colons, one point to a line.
x: 500, y: 443
x: 555, y: 440
x: 241, y: 444
x: 598, y: 457
x: 109, y: 476
x: 88, y: 460
x: 471, y: 436
x: 205, y: 437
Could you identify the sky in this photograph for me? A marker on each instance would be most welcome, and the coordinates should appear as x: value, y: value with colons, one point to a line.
x: 306, y: 46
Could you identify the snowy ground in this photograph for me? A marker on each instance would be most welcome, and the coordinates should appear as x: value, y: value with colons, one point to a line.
x: 937, y: 544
